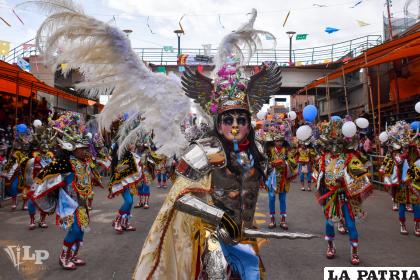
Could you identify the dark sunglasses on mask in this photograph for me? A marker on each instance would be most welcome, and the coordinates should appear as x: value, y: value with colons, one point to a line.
x: 240, y: 120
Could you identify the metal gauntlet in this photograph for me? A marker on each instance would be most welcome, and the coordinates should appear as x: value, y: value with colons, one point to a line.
x: 212, y: 215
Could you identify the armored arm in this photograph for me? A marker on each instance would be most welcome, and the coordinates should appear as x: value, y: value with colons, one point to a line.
x: 210, y: 214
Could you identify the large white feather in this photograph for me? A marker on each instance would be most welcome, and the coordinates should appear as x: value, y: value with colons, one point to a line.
x: 103, y: 54
x: 245, y: 37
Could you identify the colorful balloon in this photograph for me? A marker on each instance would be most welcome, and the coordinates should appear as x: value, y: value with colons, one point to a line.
x: 362, y: 123
x: 349, y: 129
x: 309, y: 113
x: 304, y: 132
x: 383, y: 137
x: 292, y: 115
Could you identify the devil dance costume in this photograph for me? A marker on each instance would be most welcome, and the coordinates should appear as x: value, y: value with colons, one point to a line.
x: 42, y: 140
x: 124, y: 180
x: 14, y: 170
x: 281, y: 167
x: 64, y: 186
x: 401, y: 171
x: 203, y: 229
x: 342, y: 182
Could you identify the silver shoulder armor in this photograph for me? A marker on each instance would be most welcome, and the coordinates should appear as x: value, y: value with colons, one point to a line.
x: 201, y: 157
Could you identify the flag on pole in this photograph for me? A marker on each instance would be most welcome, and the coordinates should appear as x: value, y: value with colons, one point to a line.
x: 168, y: 48
x: 301, y: 37
x: 330, y: 30
x: 362, y: 23
x: 4, y: 47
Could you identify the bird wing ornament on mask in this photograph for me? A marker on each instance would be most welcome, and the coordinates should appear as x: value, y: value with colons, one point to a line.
x: 229, y: 90
x: 103, y: 55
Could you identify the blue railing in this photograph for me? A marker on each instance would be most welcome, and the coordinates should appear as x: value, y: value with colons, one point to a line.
x: 307, y: 56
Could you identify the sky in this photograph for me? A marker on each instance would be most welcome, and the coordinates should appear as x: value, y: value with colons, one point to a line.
x: 207, y: 21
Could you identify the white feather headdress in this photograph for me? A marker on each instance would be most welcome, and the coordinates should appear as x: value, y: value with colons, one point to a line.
x: 103, y: 54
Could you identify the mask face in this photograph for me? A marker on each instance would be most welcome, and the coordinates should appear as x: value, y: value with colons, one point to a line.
x: 234, y: 126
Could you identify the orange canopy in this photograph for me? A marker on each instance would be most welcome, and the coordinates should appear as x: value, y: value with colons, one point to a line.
x: 407, y: 46
x: 16, y: 81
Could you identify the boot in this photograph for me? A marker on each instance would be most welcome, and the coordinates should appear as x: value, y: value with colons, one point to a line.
x: 32, y: 222
x: 302, y: 188
x: 117, y: 224
x: 146, y: 204
x: 42, y: 223
x: 272, y: 224
x: 283, y: 223
x: 354, y: 255
x: 140, y: 204
x: 394, y: 206
x: 417, y: 229
x: 75, y: 254
x: 341, y: 228
x: 90, y: 201
x: 65, y: 259
x: 330, y: 250
x: 409, y: 208
x: 14, y: 203
x: 25, y: 204
x: 403, y: 228
x: 125, y: 224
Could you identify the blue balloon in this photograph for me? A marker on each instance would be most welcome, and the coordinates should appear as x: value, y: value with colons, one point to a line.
x: 335, y: 118
x: 21, y: 128
x: 126, y: 116
x: 309, y: 113
x: 415, y: 125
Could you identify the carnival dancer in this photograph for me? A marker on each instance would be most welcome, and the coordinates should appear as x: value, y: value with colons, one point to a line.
x: 186, y: 241
x: 282, y: 168
x: 401, y: 171
x: 43, y: 138
x: 161, y: 172
x: 126, y: 175
x: 305, y: 157
x: 64, y: 186
x: 13, y: 170
x: 148, y: 162
x: 342, y: 182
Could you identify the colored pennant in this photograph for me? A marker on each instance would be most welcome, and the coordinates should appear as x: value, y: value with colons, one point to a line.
x: 362, y: 23
x: 17, y: 16
x: 181, y: 68
x: 200, y: 68
x: 161, y: 69
x: 285, y: 20
x: 4, y: 47
x: 269, y: 37
x: 5, y: 22
x: 168, y: 48
x: 148, y: 26
x: 330, y: 30
x: 301, y: 37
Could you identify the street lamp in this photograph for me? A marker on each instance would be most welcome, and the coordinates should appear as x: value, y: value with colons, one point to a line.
x: 290, y: 34
x: 178, y: 33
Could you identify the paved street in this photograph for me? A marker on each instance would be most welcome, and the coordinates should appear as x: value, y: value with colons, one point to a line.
x: 112, y: 256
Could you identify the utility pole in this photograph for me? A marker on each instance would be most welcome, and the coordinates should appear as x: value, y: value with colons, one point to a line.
x: 388, y: 4
x: 178, y: 33
x: 290, y: 34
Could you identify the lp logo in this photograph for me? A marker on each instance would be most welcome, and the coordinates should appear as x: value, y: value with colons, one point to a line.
x: 18, y: 255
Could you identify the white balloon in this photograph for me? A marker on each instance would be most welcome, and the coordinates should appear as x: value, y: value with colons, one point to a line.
x: 292, y: 115
x: 89, y: 135
x: 349, y: 129
x: 418, y: 107
x: 383, y: 137
x: 304, y: 132
x: 362, y: 123
x: 37, y: 123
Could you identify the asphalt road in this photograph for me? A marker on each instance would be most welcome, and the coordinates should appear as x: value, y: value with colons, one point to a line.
x: 112, y: 256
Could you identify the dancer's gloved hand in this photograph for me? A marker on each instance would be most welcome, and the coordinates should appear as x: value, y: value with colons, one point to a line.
x: 228, y: 231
